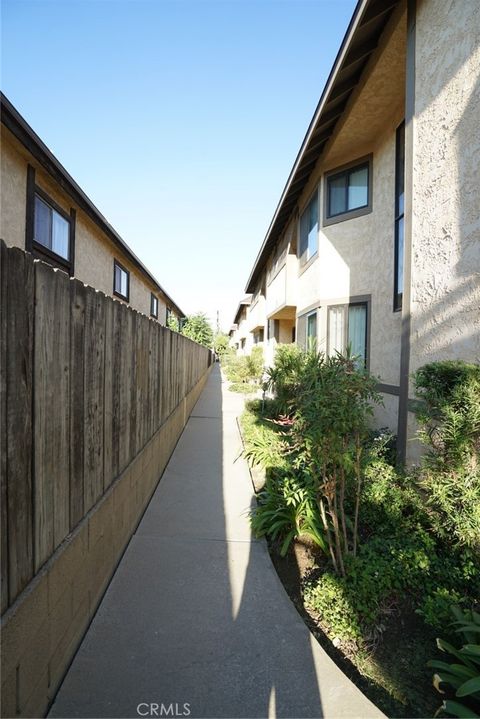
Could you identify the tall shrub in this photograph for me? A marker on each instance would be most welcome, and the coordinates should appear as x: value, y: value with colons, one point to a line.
x: 333, y: 405
x: 449, y: 418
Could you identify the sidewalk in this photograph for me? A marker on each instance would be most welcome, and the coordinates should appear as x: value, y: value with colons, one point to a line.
x: 195, y: 618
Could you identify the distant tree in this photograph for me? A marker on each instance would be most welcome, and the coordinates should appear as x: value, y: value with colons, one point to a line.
x: 173, y: 323
x: 221, y: 344
x: 198, y: 328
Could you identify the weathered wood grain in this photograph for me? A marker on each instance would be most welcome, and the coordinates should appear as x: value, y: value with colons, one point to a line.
x: 78, y: 293
x: 3, y: 429
x: 94, y: 396
x: 51, y: 410
x: 108, y: 475
x: 18, y: 271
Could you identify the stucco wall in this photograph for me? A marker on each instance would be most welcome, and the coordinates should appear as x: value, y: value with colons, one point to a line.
x: 356, y: 256
x: 94, y: 252
x: 13, y: 194
x: 445, y: 283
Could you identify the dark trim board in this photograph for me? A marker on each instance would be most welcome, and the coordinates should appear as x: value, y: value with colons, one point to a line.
x: 407, y: 257
x: 392, y: 389
x: 38, y: 250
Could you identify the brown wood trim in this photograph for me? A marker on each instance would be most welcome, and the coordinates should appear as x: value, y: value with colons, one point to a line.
x: 407, y: 247
x: 392, y: 389
x: 30, y: 208
x: 73, y: 223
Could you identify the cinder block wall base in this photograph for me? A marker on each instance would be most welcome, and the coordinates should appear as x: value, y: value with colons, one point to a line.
x: 42, y: 630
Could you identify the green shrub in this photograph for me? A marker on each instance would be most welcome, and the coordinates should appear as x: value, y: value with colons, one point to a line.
x: 283, y: 376
x: 449, y: 418
x: 449, y: 413
x: 255, y: 364
x: 329, y: 597
x: 331, y: 424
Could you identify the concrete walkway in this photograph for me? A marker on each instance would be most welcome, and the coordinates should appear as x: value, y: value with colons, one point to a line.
x: 195, y: 618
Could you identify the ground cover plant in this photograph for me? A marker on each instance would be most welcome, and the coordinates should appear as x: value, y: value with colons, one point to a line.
x: 391, y: 553
x: 244, y: 371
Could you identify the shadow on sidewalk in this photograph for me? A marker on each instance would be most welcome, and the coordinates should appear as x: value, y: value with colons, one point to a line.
x: 195, y: 622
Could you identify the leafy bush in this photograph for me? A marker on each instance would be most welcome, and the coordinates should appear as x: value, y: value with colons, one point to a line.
x: 283, y: 376
x: 286, y: 506
x: 450, y: 411
x: 255, y: 364
x: 242, y: 387
x: 333, y: 405
x: 461, y: 678
x: 245, y: 368
x: 449, y: 418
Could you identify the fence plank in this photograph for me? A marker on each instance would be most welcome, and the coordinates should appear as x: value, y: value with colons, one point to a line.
x: 51, y: 410
x: 94, y: 396
x: 117, y: 346
x: 77, y: 407
x: 125, y: 374
x: 19, y: 350
x: 108, y: 475
x: 3, y: 430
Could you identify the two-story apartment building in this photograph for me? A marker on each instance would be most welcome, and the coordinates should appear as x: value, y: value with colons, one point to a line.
x: 45, y: 212
x: 241, y: 338
x: 375, y: 242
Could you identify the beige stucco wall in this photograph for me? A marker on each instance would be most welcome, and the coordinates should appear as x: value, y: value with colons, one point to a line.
x: 13, y: 194
x: 445, y: 287
x: 356, y: 256
x: 94, y: 251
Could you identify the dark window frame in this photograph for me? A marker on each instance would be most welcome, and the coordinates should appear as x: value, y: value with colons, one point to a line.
x: 308, y: 316
x: 346, y: 306
x: 118, y: 264
x: 38, y: 250
x: 153, y: 298
x: 305, y: 261
x: 348, y: 169
x: 399, y: 216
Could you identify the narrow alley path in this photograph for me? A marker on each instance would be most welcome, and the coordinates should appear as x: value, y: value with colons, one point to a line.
x: 195, y: 616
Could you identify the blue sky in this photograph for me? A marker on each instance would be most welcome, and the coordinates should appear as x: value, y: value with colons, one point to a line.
x: 179, y: 119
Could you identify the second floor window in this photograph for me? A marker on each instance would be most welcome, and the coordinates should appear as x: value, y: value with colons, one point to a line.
x: 154, y: 306
x: 121, y: 281
x: 348, y: 192
x: 51, y: 229
x: 309, y: 230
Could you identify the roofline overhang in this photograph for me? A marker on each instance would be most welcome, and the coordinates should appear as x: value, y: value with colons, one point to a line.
x: 21, y: 130
x: 365, y: 12
x: 246, y: 302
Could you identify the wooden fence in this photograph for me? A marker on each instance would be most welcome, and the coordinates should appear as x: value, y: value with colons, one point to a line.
x: 85, y: 382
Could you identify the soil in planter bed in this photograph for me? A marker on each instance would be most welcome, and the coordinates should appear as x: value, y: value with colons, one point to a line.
x: 393, y: 675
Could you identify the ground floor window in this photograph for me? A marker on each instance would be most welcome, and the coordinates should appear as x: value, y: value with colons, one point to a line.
x: 258, y: 336
x: 312, y: 330
x: 347, y: 326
